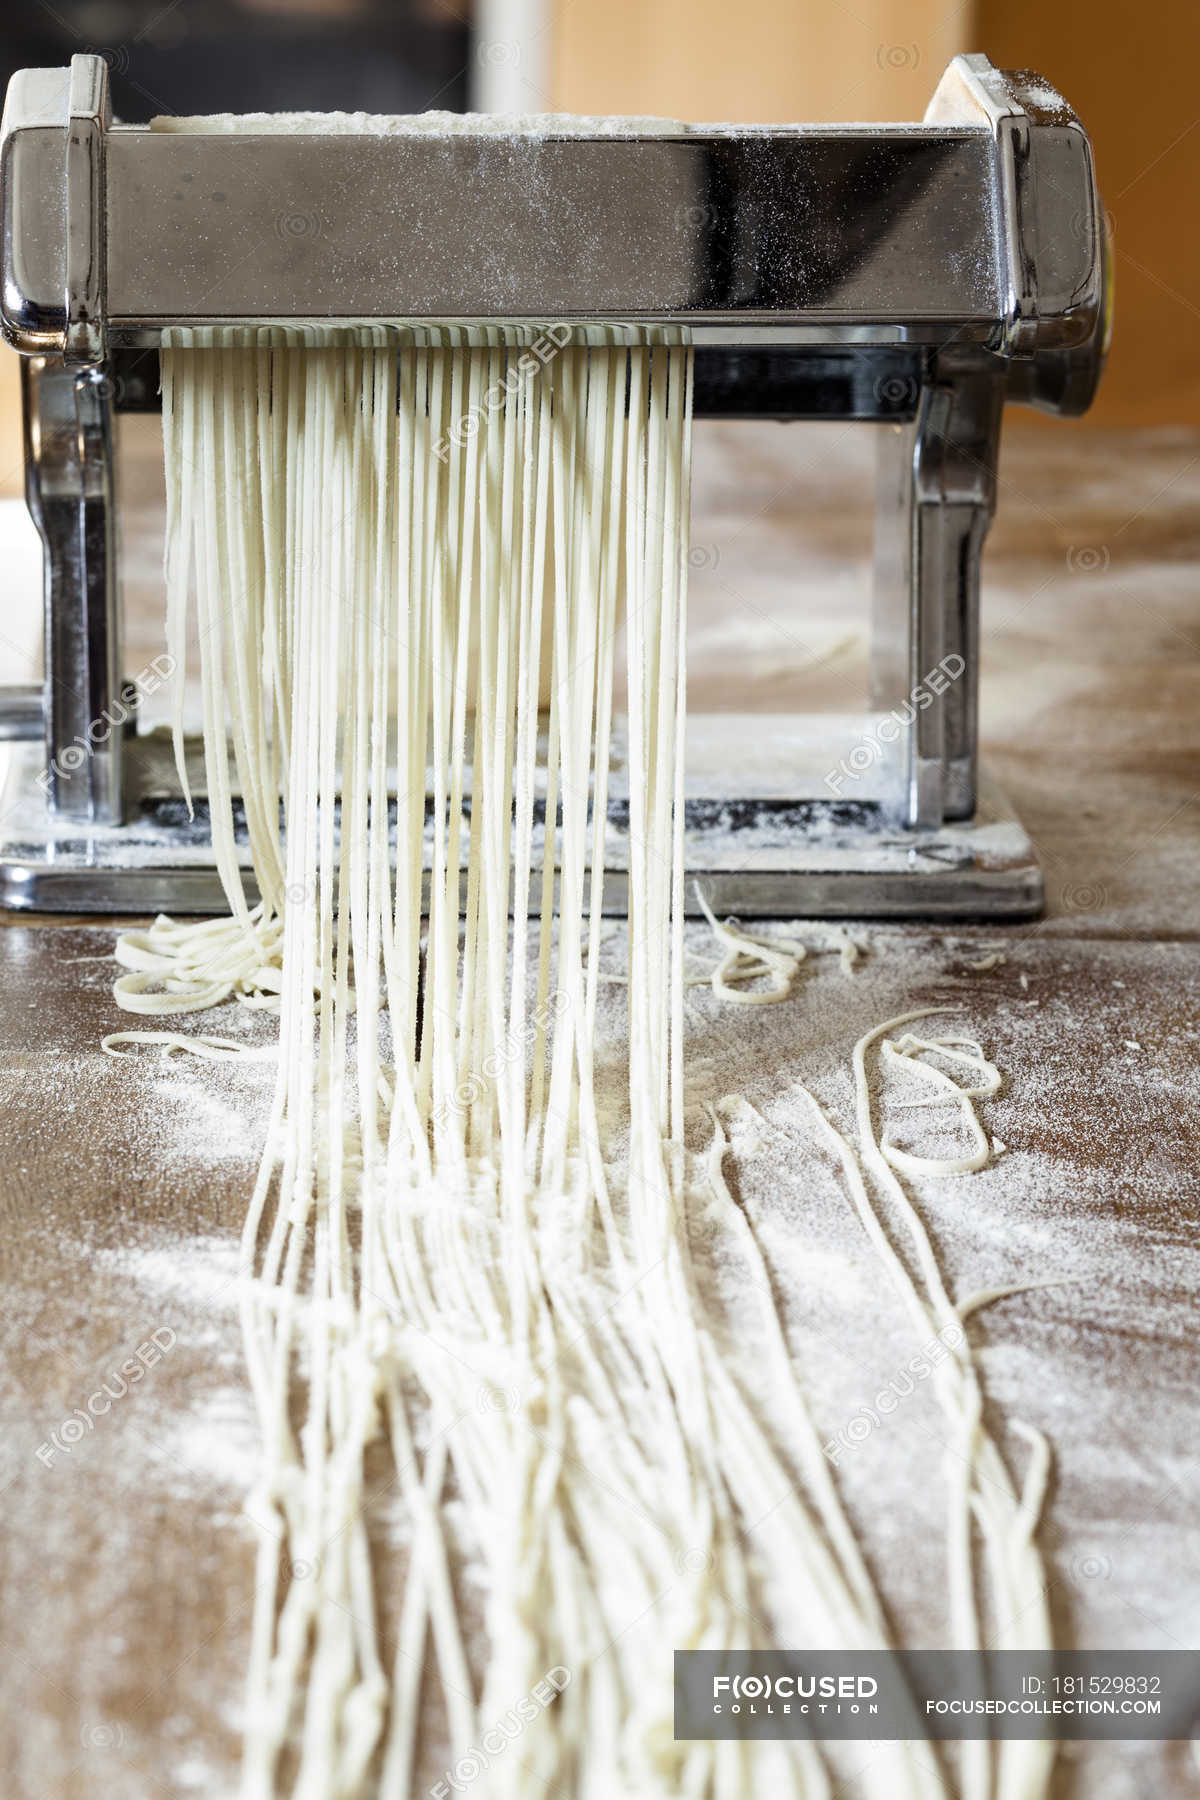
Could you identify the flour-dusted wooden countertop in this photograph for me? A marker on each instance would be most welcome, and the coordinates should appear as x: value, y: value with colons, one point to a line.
x: 127, y: 1552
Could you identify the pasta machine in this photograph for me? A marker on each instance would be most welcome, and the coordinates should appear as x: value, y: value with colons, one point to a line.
x: 916, y: 276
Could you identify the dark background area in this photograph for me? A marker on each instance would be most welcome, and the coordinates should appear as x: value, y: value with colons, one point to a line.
x: 181, y: 56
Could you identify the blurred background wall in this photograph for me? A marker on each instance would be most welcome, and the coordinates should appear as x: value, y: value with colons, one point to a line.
x: 1129, y: 73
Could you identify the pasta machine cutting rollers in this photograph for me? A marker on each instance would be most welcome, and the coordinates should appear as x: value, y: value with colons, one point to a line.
x: 916, y: 276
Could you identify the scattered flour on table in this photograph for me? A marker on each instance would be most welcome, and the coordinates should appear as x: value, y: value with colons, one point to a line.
x: 1088, y: 1193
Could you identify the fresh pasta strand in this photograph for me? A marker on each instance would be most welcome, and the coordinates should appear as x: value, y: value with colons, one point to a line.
x: 209, y: 1049
x: 750, y: 958
x: 455, y: 1256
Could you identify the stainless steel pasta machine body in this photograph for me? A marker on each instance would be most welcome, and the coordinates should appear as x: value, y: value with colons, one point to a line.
x: 917, y: 276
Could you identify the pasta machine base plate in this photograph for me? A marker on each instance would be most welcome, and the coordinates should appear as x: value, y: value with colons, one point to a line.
x: 765, y: 837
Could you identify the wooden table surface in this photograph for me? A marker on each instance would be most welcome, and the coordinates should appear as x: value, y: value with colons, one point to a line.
x: 127, y: 1552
